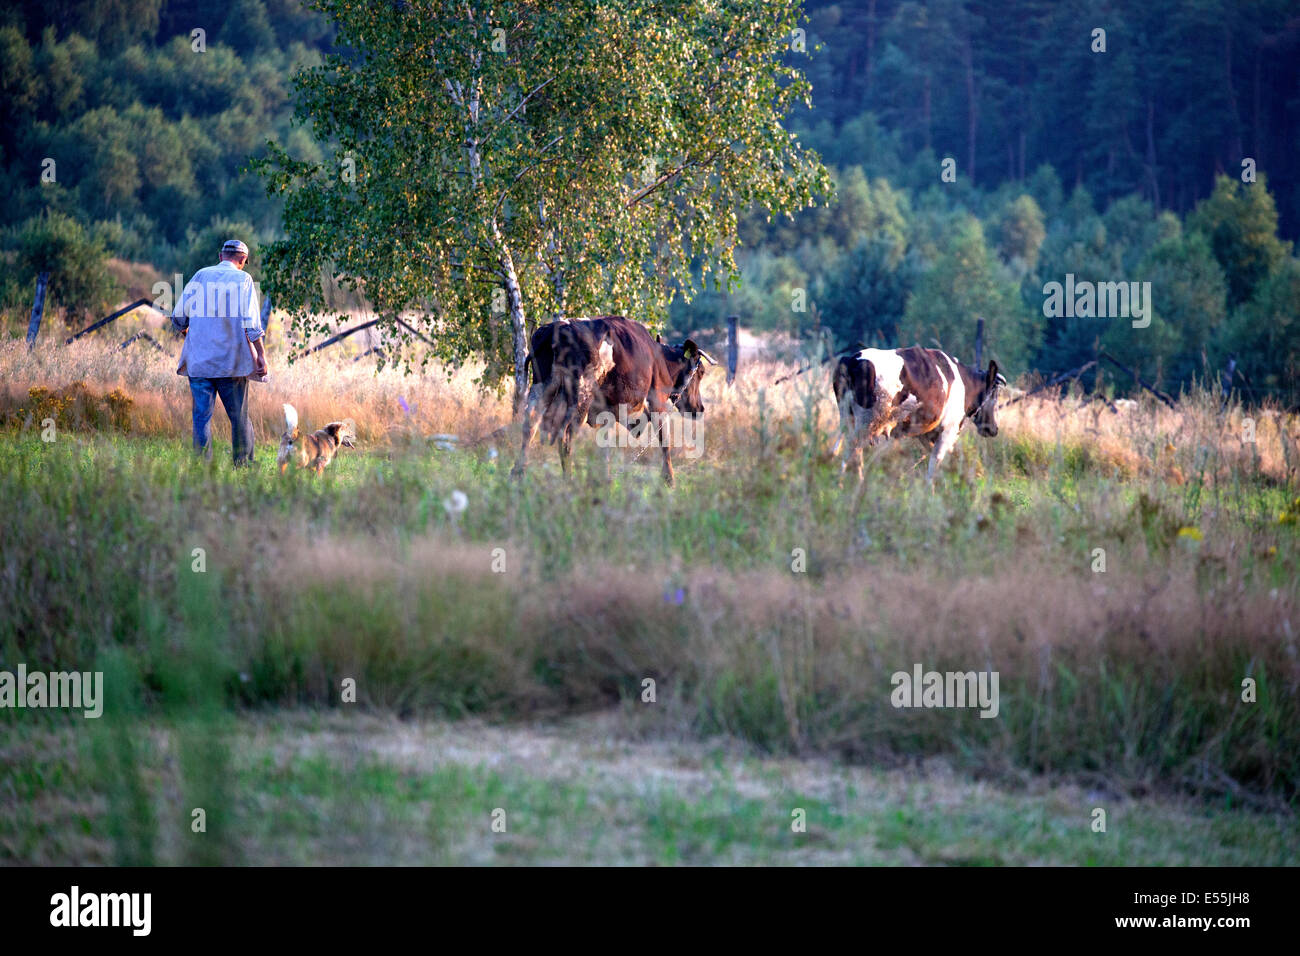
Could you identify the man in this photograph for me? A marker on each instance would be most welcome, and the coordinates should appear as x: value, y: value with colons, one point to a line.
x: 218, y: 315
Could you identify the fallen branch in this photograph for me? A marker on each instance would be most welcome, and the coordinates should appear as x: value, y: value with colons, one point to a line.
x: 107, y: 319
x: 855, y: 347
x: 145, y: 336
x: 1137, y: 378
x: 1055, y: 380
x: 341, y: 336
x: 417, y: 334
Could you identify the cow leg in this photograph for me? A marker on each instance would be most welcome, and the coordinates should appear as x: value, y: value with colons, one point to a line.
x: 858, y: 436
x: 844, y: 446
x: 850, y: 436
x: 578, y: 414
x: 665, y: 440
x: 947, y: 441
x: 846, y: 425
x: 533, y: 415
x: 566, y: 450
x: 659, y: 431
x: 853, y: 453
x: 663, y: 434
x: 605, y: 422
x: 862, y: 436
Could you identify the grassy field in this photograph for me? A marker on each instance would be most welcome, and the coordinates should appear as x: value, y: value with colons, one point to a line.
x: 307, y: 787
x: 767, y: 598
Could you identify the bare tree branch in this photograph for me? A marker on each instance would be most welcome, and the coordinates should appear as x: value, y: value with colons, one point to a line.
x: 671, y: 174
x: 531, y: 93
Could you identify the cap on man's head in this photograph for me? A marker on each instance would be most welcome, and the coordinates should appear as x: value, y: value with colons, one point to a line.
x: 232, y: 246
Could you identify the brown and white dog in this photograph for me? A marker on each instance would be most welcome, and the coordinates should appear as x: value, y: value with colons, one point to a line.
x: 316, y: 450
x: 924, y: 393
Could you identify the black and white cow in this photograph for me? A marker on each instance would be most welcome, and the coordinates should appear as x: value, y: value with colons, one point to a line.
x: 919, y: 392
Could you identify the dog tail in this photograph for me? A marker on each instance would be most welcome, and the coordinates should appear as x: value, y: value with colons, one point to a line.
x: 290, y: 417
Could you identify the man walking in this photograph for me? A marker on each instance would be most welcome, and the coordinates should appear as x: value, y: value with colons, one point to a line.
x: 218, y: 315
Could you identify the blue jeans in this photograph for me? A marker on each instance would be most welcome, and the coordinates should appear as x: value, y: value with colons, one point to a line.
x: 234, y: 396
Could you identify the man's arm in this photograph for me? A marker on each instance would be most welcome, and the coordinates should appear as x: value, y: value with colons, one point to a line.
x: 181, y: 314
x: 259, y: 358
x: 181, y: 321
x: 252, y: 324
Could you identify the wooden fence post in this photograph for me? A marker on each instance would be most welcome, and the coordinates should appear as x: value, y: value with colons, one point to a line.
x: 1226, y: 377
x: 38, y: 308
x: 733, y: 348
x: 1096, y: 357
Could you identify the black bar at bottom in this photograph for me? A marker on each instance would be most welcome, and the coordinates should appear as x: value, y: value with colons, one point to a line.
x: 332, y: 905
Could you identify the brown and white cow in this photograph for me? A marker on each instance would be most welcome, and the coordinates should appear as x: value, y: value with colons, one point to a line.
x: 582, y: 368
x: 919, y: 392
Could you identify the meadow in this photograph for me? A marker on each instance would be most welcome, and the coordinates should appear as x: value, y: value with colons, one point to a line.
x: 1123, y: 572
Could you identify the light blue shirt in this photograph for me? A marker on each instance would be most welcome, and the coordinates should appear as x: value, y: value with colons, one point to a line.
x: 219, y: 308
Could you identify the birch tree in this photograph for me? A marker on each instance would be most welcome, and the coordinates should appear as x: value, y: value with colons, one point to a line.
x: 496, y: 165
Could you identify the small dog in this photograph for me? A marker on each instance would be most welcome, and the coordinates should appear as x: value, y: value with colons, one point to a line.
x: 317, y: 449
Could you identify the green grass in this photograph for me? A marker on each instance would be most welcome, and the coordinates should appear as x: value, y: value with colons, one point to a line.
x: 310, y: 789
x: 994, y: 566
x: 141, y: 494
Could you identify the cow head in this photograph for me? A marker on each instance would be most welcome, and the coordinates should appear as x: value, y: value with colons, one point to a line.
x: 986, y: 402
x: 344, y: 432
x: 687, y: 365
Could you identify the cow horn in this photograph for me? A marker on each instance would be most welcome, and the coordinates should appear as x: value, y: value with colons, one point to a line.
x: 708, y: 358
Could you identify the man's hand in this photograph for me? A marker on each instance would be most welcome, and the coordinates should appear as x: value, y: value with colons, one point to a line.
x: 259, y: 359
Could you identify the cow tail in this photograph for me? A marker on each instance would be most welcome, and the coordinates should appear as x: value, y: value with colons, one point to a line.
x: 867, y: 396
x: 840, y: 382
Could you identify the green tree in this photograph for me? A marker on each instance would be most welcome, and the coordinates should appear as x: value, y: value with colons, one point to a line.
x: 1188, y: 301
x: 59, y: 65
x: 1132, y: 225
x: 1240, y: 221
x: 573, y: 158
x: 247, y: 28
x: 21, y: 86
x: 1264, y: 336
x: 1020, y: 233
x: 168, y: 190
x: 109, y: 22
x: 203, y: 246
x: 79, y: 280
x: 967, y: 282
x: 96, y: 156
x: 865, y: 294
x: 1045, y: 186
x: 1077, y: 244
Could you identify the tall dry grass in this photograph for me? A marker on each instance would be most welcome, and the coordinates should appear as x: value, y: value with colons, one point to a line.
x: 1131, y: 674
x: 1134, y: 679
x: 324, y: 387
x: 1199, y: 440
